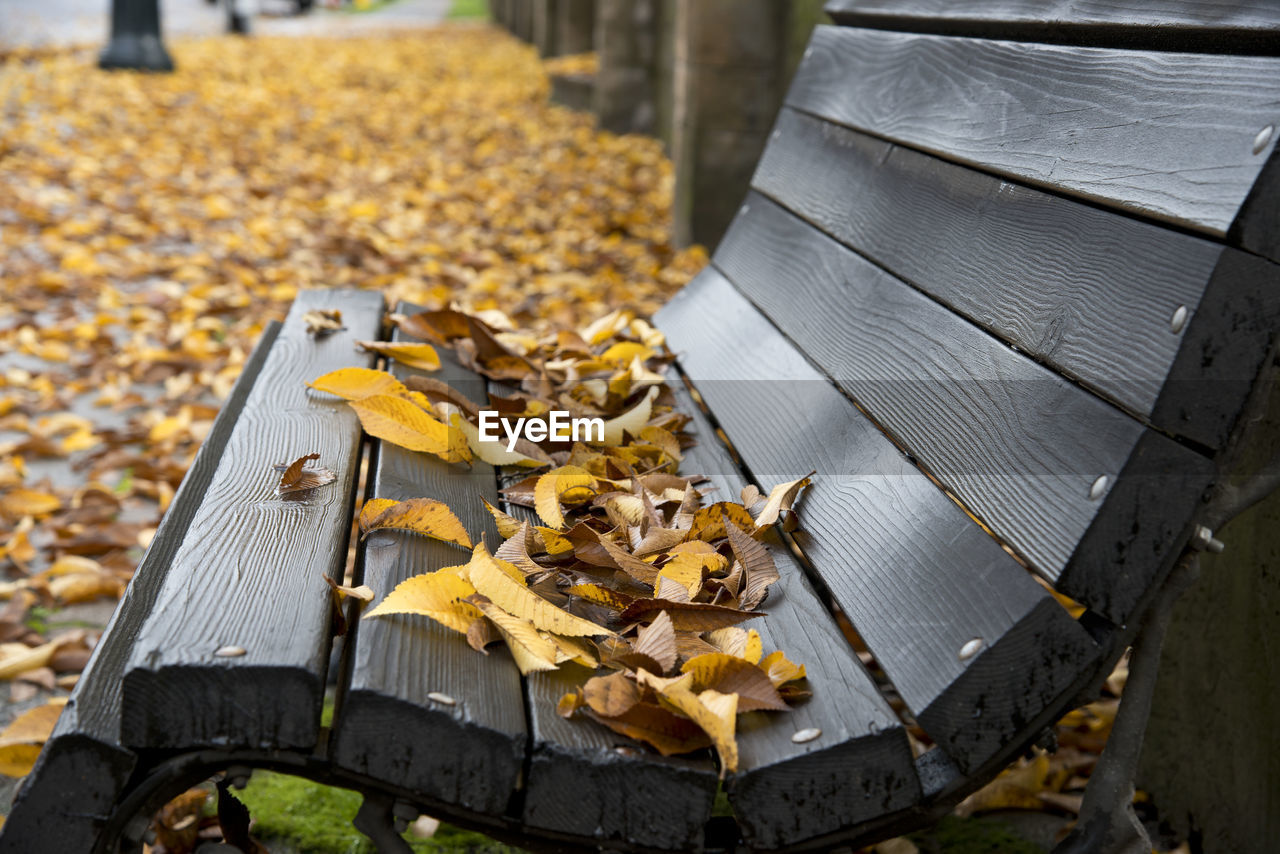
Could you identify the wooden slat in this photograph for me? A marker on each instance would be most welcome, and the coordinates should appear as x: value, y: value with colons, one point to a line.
x: 581, y: 785
x: 66, y: 800
x: 1217, y: 26
x: 860, y: 768
x: 248, y: 573
x: 1168, y: 136
x: 628, y: 795
x: 916, y: 576
x: 1019, y: 445
x: 470, y: 754
x: 1086, y: 290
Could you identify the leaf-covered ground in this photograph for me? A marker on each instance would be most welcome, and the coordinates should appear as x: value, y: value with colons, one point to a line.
x: 150, y: 226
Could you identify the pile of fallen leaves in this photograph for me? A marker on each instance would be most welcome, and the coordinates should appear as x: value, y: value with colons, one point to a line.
x: 150, y: 225
x: 622, y: 564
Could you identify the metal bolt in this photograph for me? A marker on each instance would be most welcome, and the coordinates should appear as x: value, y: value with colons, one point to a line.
x: 1178, y: 320
x: 1099, y: 487
x: 442, y: 699
x: 970, y: 649
x: 1202, y: 540
x: 806, y: 735
x: 1264, y: 136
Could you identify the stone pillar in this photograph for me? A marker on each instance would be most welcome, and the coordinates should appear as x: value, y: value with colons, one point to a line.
x: 1211, y: 758
x: 575, y: 26
x: 522, y: 19
x: 624, y: 37
x: 727, y: 86
x: 545, y: 29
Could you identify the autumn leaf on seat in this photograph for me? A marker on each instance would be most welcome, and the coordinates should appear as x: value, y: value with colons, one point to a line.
x: 424, y: 516
x: 505, y: 588
x: 553, y: 487
x: 400, y: 422
x: 440, y: 595
x: 298, y: 477
x: 421, y: 356
x: 321, y: 322
x: 357, y: 383
x: 780, y: 499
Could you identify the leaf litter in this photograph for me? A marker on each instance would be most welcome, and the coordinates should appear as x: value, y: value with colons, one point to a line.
x: 610, y: 557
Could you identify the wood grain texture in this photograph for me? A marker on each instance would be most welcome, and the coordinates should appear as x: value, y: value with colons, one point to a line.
x: 248, y: 572
x: 860, y: 768
x: 1166, y: 136
x: 1088, y: 291
x: 916, y: 576
x: 1205, y: 26
x: 1018, y: 444
x: 68, y: 797
x: 622, y: 792
x: 470, y: 754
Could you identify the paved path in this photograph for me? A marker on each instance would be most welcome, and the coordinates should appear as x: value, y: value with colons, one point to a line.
x: 85, y: 22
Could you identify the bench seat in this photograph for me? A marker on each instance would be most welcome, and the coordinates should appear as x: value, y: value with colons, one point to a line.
x: 1010, y: 299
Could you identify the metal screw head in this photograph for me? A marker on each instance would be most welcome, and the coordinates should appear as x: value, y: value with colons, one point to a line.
x: 442, y: 699
x: 1178, y: 320
x: 1202, y: 539
x: 1099, y: 487
x: 229, y: 651
x: 970, y: 649
x: 806, y: 735
x: 1264, y: 136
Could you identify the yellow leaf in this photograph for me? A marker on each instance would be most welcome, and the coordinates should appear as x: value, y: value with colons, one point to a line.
x: 532, y: 652
x: 781, y: 497
x: 551, y: 488
x: 685, y: 570
x: 357, y: 383
x: 631, y: 421
x: 420, y: 356
x: 739, y: 642
x: 27, y: 502
x: 20, y: 742
x: 493, y: 453
x: 624, y: 351
x: 505, y: 587
x: 400, y: 422
x: 372, y: 508
x: 780, y: 670
x: 438, y: 595
x: 424, y: 516
x: 717, y: 716
x: 508, y: 526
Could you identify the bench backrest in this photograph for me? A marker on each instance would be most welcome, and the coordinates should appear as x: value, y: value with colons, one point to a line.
x: 1009, y: 296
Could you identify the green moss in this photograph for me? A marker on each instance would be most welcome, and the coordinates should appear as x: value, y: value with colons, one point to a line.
x: 972, y: 836
x: 469, y: 9
x: 293, y: 814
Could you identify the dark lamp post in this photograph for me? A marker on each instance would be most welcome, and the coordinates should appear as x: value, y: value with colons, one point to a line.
x: 135, y: 37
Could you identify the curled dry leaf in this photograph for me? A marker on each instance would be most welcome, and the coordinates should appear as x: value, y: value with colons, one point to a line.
x: 321, y: 322
x: 781, y: 497
x: 423, y: 357
x: 299, y: 477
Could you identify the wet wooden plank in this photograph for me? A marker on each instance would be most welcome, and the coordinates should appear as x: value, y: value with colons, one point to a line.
x: 1203, y: 26
x: 860, y: 768
x: 918, y: 579
x: 387, y: 725
x: 66, y: 800
x: 248, y: 573
x: 1165, y: 136
x: 1020, y: 446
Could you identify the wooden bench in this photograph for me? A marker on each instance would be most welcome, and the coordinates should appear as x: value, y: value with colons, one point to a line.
x: 1014, y: 299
